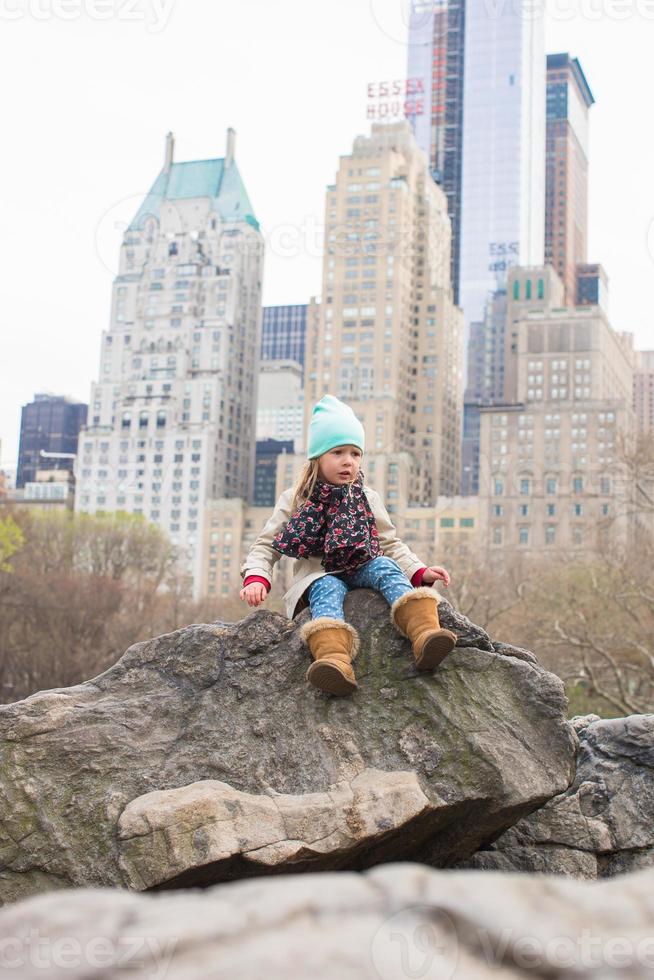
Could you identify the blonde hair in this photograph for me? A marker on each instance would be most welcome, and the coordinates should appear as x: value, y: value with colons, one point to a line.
x: 305, y: 483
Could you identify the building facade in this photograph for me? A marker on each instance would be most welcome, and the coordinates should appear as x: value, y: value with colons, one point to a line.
x: 265, y: 470
x: 644, y: 392
x: 550, y: 471
x: 388, y: 336
x: 592, y: 286
x: 436, y: 56
x: 173, y: 413
x: 283, y: 333
x: 569, y: 99
x: 280, y: 411
x: 50, y: 424
x: 503, y: 180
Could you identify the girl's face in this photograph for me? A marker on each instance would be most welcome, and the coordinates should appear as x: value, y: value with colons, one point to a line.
x: 340, y: 465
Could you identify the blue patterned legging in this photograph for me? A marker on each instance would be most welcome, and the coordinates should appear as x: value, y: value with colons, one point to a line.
x: 327, y: 594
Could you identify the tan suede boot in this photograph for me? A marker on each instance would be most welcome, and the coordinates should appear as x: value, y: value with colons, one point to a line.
x: 334, y: 644
x: 415, y: 615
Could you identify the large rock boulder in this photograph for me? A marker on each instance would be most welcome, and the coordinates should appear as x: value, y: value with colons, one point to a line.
x: 388, y: 923
x: 203, y: 755
x: 603, y: 824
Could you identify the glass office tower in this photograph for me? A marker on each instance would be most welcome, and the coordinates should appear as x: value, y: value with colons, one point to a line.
x: 503, y: 184
x: 484, y: 134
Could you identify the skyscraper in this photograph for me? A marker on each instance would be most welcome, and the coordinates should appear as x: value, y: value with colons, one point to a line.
x: 50, y: 423
x: 388, y: 337
x: 436, y: 55
x: 488, y: 65
x: 566, y: 199
x: 174, y: 410
x: 503, y: 184
x: 283, y: 333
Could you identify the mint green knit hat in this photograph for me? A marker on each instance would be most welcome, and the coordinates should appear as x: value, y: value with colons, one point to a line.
x: 333, y: 423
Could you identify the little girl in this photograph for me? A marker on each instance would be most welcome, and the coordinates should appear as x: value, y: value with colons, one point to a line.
x: 341, y: 536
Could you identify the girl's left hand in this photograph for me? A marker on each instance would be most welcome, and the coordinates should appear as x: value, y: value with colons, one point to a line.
x: 435, y: 574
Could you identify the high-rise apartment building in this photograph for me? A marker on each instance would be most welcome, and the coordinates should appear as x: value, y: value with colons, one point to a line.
x: 173, y: 413
x: 486, y: 352
x: 50, y: 424
x: 265, y: 470
x: 566, y: 190
x: 531, y: 290
x: 280, y: 411
x: 644, y: 391
x: 283, y: 333
x: 549, y: 457
x: 388, y: 336
x: 486, y: 359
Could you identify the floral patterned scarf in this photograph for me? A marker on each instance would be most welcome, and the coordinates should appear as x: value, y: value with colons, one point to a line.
x: 335, y: 522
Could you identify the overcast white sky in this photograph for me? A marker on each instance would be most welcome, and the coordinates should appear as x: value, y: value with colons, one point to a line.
x: 90, y: 87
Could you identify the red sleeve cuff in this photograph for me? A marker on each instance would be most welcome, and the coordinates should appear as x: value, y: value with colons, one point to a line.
x: 251, y: 579
x: 416, y: 578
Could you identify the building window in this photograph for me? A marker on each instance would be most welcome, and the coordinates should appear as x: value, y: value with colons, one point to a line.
x: 578, y: 484
x: 541, y: 289
x: 524, y: 485
x: 447, y: 522
x: 516, y: 295
x: 523, y: 535
x: 551, y: 485
x: 466, y: 522
x: 497, y: 535
x: 550, y: 534
x: 528, y: 289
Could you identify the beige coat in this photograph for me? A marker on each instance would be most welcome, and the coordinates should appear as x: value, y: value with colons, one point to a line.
x: 262, y: 557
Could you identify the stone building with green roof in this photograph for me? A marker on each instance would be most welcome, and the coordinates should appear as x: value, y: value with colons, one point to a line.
x: 172, y: 416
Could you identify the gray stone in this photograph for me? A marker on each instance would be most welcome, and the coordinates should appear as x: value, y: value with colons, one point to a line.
x: 603, y: 823
x: 388, y: 923
x: 225, y: 709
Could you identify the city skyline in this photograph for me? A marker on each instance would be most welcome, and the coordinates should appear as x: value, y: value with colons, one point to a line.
x: 77, y: 222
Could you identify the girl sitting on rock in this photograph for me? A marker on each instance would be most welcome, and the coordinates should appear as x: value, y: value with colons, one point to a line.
x: 341, y: 536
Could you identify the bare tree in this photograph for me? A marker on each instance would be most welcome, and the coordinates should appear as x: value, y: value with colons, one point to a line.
x: 594, y: 623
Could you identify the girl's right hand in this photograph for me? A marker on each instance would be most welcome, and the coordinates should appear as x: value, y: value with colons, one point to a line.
x: 253, y: 594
